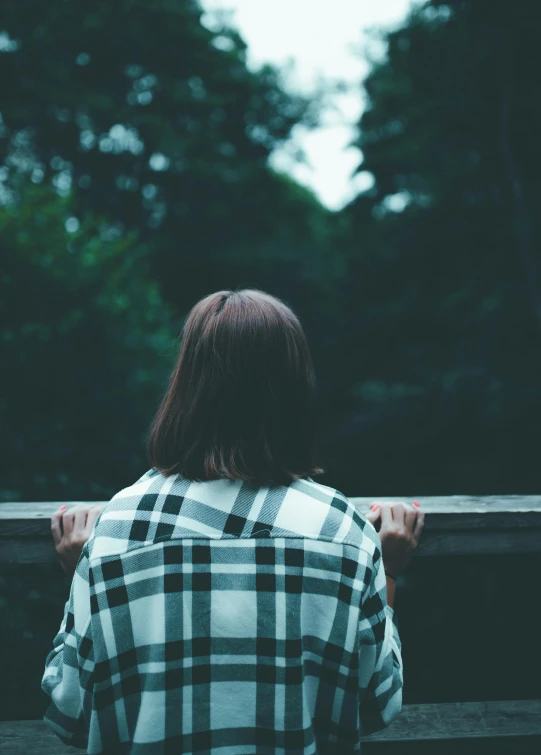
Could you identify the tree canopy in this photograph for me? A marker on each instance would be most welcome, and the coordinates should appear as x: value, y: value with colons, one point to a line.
x: 149, y: 135
x: 155, y: 122
x: 444, y: 278
x: 147, y: 130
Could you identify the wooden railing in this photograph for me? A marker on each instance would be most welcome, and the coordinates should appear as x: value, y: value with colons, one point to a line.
x: 455, y: 526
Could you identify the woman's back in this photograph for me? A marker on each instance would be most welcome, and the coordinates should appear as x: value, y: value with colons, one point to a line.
x: 244, y: 613
x: 220, y: 617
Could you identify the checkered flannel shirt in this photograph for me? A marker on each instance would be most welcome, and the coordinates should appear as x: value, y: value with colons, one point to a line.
x: 219, y: 618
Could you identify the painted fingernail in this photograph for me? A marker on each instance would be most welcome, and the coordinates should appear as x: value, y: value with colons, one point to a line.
x: 375, y: 507
x: 416, y: 503
x: 63, y: 507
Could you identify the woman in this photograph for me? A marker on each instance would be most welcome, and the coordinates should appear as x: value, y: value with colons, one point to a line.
x: 225, y: 602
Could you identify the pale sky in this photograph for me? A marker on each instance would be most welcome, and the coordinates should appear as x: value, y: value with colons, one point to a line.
x: 323, y: 38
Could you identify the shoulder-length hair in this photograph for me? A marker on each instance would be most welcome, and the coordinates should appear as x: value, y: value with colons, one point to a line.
x: 241, y: 398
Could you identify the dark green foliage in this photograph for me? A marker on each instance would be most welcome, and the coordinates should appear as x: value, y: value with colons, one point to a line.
x: 444, y: 298
x: 160, y: 126
x: 86, y: 341
x: 425, y: 324
x: 152, y: 123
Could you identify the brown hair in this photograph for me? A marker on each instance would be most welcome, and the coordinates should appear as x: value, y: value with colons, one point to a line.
x: 240, y: 402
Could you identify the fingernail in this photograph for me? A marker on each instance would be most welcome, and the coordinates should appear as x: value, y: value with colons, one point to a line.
x: 375, y: 507
x: 63, y: 507
x: 416, y: 503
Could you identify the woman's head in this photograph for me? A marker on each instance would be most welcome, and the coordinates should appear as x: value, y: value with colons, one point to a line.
x: 240, y: 402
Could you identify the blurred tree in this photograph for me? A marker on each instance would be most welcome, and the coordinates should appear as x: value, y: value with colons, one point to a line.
x: 150, y: 121
x: 445, y: 281
x: 421, y: 299
x: 85, y: 341
x: 160, y: 125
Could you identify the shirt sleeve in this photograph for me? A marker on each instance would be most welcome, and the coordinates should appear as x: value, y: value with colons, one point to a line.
x: 69, y: 667
x: 380, y: 662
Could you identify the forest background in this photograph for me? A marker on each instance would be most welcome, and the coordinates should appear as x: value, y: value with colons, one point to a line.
x: 135, y: 178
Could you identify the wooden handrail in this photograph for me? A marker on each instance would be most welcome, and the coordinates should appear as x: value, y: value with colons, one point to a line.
x: 455, y: 526
x: 510, y: 727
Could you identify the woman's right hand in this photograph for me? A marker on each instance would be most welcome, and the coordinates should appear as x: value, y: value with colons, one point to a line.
x: 71, y: 529
x: 400, y: 528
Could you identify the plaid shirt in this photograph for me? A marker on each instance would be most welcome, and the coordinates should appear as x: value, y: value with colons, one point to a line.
x: 219, y: 618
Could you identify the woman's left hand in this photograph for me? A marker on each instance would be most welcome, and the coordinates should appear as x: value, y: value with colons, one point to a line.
x: 71, y: 529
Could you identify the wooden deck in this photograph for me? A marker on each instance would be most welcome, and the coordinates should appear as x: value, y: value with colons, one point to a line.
x: 498, y: 728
